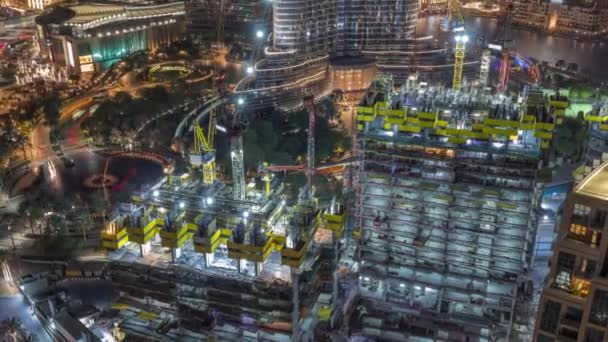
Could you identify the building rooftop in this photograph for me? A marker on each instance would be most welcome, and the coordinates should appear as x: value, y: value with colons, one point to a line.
x: 90, y: 15
x: 596, y: 184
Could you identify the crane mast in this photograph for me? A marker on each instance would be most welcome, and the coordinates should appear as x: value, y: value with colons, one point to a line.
x: 460, y: 38
x: 309, y: 103
x: 505, y: 63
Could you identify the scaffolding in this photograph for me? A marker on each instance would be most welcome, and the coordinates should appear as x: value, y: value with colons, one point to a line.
x: 446, y: 208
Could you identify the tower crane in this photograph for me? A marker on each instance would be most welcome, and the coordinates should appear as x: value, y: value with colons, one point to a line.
x: 460, y: 38
x: 236, y: 158
x: 505, y: 64
x: 309, y: 169
x: 203, y: 151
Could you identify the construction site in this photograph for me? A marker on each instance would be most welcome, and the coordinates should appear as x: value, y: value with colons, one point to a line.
x: 235, y: 261
x: 435, y: 247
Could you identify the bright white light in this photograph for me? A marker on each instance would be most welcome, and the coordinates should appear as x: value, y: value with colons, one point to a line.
x: 458, y: 39
x: 497, y: 144
x: 390, y: 133
x: 545, y: 217
x: 465, y: 39
x: 250, y: 70
x: 209, y: 200
x: 240, y: 101
x: 155, y: 193
x: 366, y: 278
x: 308, y: 33
x: 259, y: 34
x: 182, y: 205
x: 417, y: 288
x: 245, y: 214
x: 458, y: 29
x: 162, y: 210
x: 401, y: 285
x: 221, y: 128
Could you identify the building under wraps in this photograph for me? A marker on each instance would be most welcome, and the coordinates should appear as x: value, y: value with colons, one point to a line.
x: 447, y: 207
x: 237, y: 270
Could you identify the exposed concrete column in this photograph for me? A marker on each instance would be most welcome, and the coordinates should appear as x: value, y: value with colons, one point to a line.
x: 258, y: 268
x: 295, y: 300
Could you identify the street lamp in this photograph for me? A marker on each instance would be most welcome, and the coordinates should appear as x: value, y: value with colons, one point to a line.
x: 240, y: 101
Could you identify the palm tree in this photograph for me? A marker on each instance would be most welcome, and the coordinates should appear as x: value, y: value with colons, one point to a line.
x: 12, y: 326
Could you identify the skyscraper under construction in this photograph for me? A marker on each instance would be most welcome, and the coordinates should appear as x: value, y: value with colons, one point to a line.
x: 446, y: 211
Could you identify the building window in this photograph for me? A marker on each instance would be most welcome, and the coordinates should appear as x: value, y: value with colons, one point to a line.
x: 580, y: 211
x: 574, y: 314
x: 550, y: 316
x: 578, y: 230
x: 594, y: 335
x: 599, y: 308
x: 562, y: 280
x: 545, y: 338
x: 566, y: 261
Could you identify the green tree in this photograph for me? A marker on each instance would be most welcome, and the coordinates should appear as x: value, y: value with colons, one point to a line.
x: 569, y: 137
x: 50, y: 109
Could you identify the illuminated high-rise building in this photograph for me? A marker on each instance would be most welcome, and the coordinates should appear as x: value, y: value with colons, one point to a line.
x: 307, y: 34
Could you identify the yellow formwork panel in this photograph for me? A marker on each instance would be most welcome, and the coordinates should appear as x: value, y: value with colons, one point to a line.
x: 175, y: 239
x: 324, y: 313
x: 409, y: 128
x: 219, y: 237
x: 143, y: 238
x: 507, y: 206
x: 543, y: 134
x: 457, y: 140
x: 501, y: 123
x: 410, y: 120
x: 528, y: 118
x: 604, y: 127
x: 396, y: 112
x: 393, y: 120
x: 428, y: 116
x: 387, y: 126
x: 545, y: 125
x: 560, y: 112
x: 527, y: 126
x: 365, y: 110
x: 367, y: 118
x: 559, y: 104
x: 380, y: 105
x: 595, y: 118
x: 427, y: 124
x: 500, y: 131
x: 478, y: 127
x: 441, y: 123
x: 114, y: 244
x: 114, y: 236
x: 545, y: 144
x: 360, y: 127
